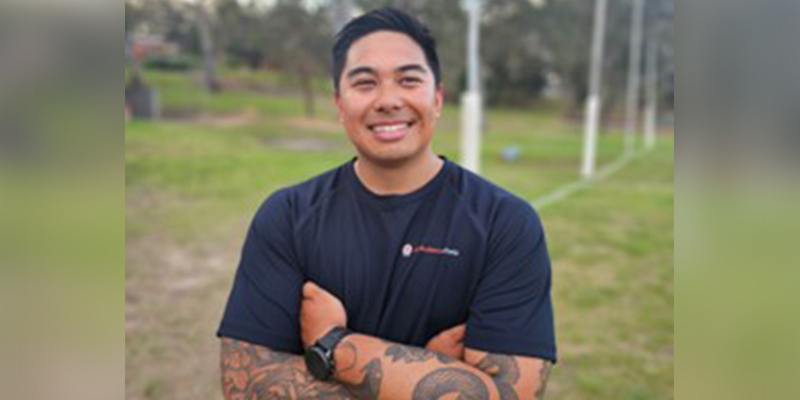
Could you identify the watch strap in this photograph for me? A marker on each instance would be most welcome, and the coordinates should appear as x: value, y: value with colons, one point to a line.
x: 333, y: 337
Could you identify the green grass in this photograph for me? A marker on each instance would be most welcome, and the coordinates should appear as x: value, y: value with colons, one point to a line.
x: 192, y: 186
x: 612, y: 249
x: 264, y: 92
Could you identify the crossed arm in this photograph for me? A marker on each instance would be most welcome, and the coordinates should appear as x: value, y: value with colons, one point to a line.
x: 371, y: 368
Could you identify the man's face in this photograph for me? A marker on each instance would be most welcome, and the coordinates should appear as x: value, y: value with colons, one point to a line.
x: 388, y: 99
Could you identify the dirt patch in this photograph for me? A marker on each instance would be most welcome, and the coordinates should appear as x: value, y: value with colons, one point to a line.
x: 174, y: 298
x: 131, y: 298
x: 186, y: 284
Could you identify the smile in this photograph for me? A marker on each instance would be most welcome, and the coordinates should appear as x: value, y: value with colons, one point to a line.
x: 391, y: 131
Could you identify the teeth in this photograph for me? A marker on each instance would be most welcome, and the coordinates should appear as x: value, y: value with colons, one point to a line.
x: 389, y: 128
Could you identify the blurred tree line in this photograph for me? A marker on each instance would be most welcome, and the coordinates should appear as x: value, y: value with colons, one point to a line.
x: 530, y: 49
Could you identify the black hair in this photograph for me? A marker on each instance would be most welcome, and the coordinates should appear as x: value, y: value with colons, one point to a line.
x: 384, y: 19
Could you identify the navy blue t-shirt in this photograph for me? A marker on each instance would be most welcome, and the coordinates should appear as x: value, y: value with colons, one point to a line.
x: 406, y: 267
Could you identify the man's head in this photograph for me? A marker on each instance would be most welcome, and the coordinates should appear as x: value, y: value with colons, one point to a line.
x: 388, y: 90
x: 384, y: 19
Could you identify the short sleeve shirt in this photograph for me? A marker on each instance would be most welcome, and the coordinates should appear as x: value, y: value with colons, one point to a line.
x: 406, y: 267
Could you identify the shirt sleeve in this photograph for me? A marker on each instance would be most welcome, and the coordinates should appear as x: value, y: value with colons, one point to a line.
x: 264, y: 303
x: 512, y: 311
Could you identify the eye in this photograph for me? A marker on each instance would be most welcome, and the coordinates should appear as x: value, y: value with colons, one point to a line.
x: 410, y: 81
x: 364, y: 83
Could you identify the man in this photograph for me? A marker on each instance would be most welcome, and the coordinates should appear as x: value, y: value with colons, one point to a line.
x: 399, y: 274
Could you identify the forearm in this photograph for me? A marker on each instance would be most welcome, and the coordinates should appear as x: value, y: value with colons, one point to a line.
x: 376, y: 369
x: 255, y: 372
x: 517, y: 377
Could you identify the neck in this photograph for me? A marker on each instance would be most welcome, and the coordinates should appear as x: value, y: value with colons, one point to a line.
x: 398, y: 179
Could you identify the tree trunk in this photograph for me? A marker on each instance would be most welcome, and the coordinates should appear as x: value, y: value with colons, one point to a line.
x: 340, y: 14
x: 207, y: 45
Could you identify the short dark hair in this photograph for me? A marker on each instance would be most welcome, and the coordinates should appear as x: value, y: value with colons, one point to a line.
x: 384, y: 19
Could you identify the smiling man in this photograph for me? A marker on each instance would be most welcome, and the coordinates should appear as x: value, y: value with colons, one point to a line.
x: 398, y: 275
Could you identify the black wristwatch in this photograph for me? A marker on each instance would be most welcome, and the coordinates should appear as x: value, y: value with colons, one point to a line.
x: 319, y: 357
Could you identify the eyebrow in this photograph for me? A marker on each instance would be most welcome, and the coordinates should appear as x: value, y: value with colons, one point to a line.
x: 412, y: 67
x: 369, y: 70
x: 361, y: 70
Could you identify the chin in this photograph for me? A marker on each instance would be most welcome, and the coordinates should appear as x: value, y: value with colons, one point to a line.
x: 392, y: 158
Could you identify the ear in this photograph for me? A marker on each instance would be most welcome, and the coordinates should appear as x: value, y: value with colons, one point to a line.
x: 439, y: 98
x: 338, y: 101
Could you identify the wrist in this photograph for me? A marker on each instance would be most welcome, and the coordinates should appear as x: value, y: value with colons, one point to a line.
x: 345, y: 356
x: 319, y: 357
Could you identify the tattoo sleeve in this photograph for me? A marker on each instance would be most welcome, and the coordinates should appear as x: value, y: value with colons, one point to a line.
x: 251, y: 372
x: 373, y: 369
x: 505, y: 371
x: 516, y: 377
x: 544, y: 375
x: 382, y: 370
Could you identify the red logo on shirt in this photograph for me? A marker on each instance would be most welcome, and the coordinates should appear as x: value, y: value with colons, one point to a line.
x: 410, y: 249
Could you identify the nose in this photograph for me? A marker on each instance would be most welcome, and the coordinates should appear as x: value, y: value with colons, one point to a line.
x: 389, y: 100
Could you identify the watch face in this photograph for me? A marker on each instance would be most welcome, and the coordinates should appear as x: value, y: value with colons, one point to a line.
x: 317, y: 363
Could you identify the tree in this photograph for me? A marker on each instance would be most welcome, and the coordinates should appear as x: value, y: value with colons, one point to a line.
x: 566, y: 28
x: 661, y: 14
x: 133, y: 16
x: 210, y: 78
x: 241, y: 32
x: 300, y: 43
x: 515, y: 60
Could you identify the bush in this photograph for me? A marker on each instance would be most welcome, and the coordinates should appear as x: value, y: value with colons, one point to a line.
x: 171, y: 63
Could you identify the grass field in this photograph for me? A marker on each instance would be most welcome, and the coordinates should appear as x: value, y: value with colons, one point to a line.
x: 194, y: 180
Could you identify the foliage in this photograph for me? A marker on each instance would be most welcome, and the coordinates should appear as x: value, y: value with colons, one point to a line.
x: 524, y: 43
x: 300, y: 38
x: 514, y: 72
x: 242, y: 33
x: 133, y: 16
x: 176, y: 63
x: 171, y: 19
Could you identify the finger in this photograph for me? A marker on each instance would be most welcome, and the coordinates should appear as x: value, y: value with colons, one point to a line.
x: 457, y: 331
x: 325, y: 295
x: 310, y: 289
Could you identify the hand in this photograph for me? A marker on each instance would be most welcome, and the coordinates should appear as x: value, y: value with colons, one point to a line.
x: 320, y: 312
x: 450, y: 342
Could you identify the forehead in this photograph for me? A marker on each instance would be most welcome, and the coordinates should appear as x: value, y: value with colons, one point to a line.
x: 384, y: 49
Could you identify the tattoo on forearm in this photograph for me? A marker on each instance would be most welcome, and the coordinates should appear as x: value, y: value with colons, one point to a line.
x: 544, y: 375
x: 414, y: 355
x: 351, y: 348
x: 505, y: 371
x: 370, y: 387
x: 445, y: 381
x: 257, y: 373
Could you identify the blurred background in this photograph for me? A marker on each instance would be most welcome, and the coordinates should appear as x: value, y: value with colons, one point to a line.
x: 226, y: 101
x: 229, y: 100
